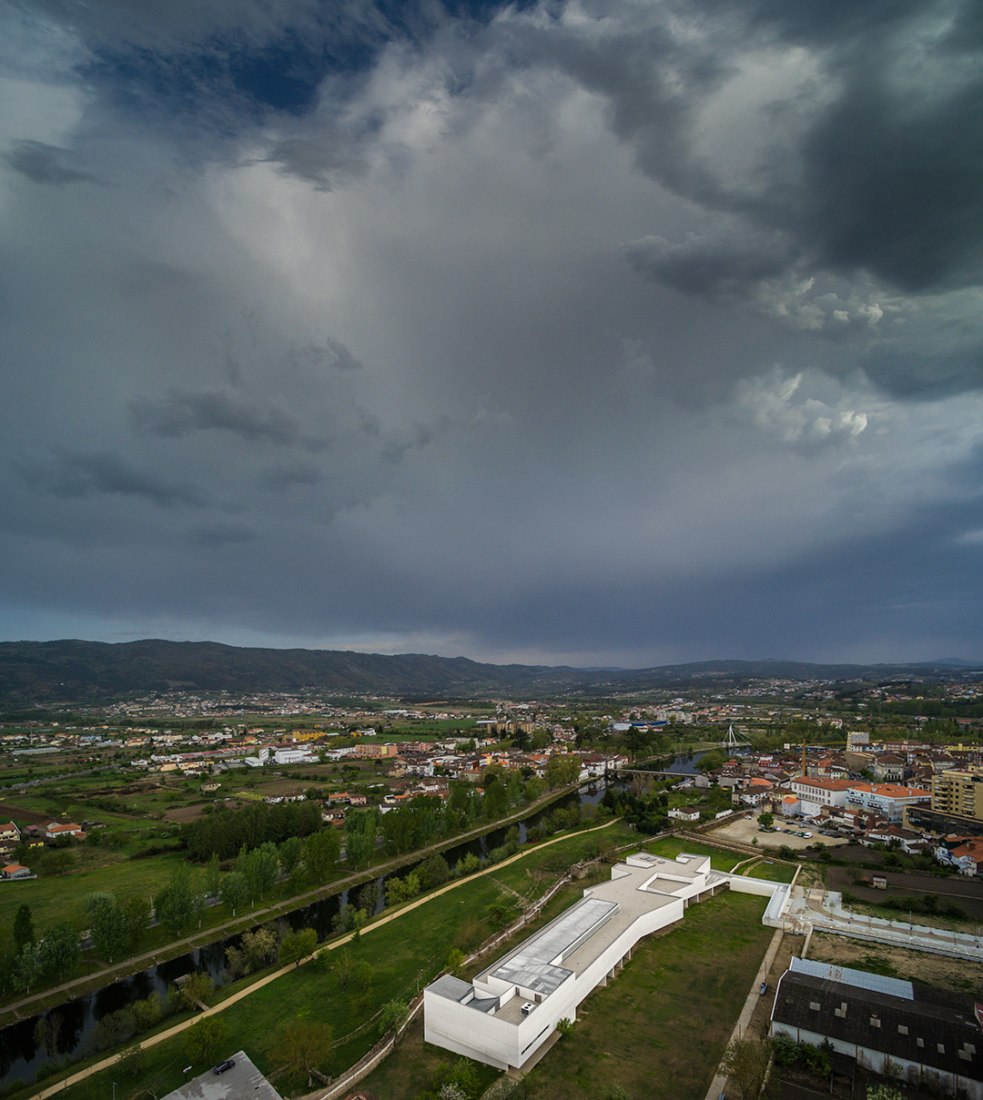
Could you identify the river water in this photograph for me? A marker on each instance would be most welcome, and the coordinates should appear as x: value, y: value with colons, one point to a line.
x: 70, y: 1026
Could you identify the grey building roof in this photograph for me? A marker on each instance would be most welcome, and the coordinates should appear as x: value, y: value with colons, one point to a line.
x: 242, y: 1080
x: 931, y: 1027
x: 534, y: 965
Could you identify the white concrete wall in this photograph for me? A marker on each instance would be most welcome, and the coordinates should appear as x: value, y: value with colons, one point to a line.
x: 499, y: 1043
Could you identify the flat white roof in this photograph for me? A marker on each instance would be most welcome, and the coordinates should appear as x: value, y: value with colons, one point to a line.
x: 569, y: 944
x: 534, y: 967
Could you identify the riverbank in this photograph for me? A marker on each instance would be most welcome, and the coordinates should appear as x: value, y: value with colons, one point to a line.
x: 404, y: 949
x: 46, y: 1000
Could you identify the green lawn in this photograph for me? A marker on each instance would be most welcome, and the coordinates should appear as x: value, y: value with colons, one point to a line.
x: 658, y: 1031
x: 404, y: 955
x: 62, y: 897
x: 773, y: 872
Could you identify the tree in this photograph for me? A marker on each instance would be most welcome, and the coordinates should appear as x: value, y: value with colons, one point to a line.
x: 303, y: 1046
x: 258, y: 948
x: 403, y: 889
x: 148, y: 1012
x: 562, y: 769
x: 564, y: 1027
x: 234, y: 891
x: 393, y: 1017
x: 27, y: 968
x: 711, y: 761
x: 179, y: 904
x: 883, y: 1092
x: 433, y: 871
x: 745, y: 1062
x: 213, y: 876
x: 297, y: 945
x: 113, y: 1029
x: 206, y: 1039
x: 463, y: 1075
x: 358, y: 849
x: 321, y: 851
x: 766, y: 819
x: 108, y: 925
x: 195, y: 990
x: 59, y: 951
x: 260, y: 868
x: 23, y: 928
x: 291, y: 851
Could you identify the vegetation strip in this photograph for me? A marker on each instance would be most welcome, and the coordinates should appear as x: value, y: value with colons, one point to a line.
x: 334, y: 945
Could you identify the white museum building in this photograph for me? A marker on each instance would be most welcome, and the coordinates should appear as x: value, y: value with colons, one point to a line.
x: 510, y: 1010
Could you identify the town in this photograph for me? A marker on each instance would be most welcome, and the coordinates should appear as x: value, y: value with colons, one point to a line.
x: 129, y: 830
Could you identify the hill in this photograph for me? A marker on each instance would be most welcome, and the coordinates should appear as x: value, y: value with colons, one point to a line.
x: 80, y: 671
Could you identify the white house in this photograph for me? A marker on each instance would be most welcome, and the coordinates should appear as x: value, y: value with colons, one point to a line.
x: 887, y: 799
x: 814, y: 794
x: 506, y: 1014
x: 684, y: 813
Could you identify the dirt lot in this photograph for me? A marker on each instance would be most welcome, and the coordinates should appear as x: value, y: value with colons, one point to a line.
x: 746, y: 829
x: 9, y: 812
x: 918, y: 966
x: 183, y: 814
x: 961, y: 891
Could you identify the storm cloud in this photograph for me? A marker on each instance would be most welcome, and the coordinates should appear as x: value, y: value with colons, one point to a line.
x: 594, y: 332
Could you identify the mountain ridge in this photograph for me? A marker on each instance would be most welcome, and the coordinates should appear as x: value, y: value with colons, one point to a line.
x: 74, y: 670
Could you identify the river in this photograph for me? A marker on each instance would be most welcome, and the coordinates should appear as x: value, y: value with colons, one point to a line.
x: 71, y: 1025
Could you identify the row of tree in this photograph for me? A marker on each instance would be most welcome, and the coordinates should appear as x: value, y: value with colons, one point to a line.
x: 225, y: 831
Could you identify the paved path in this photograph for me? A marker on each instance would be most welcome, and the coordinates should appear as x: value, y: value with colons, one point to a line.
x: 51, y: 998
x: 719, y: 1082
x: 176, y: 1029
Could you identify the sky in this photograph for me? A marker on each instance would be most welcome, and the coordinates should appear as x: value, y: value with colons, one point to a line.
x: 605, y: 332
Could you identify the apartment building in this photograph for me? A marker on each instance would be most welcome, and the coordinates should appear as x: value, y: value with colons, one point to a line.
x: 960, y: 792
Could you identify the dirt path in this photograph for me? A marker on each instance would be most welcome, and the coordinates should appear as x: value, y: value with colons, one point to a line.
x: 51, y: 998
x: 176, y: 1029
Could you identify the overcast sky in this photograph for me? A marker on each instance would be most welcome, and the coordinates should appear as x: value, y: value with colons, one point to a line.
x: 602, y: 332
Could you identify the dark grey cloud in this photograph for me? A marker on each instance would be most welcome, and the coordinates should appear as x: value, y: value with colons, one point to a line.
x: 326, y: 163
x: 75, y: 475
x: 285, y: 476
x: 221, y: 534
x: 182, y: 412
x: 368, y: 361
x: 715, y: 268
x: 328, y: 353
x: 48, y: 164
x: 895, y: 183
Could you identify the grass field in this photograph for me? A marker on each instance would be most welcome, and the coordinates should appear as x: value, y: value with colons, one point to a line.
x: 773, y: 872
x: 403, y: 955
x: 659, y: 1030
x: 63, y: 897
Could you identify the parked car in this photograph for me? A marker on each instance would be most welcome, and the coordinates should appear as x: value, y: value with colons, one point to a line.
x: 223, y: 1066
